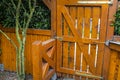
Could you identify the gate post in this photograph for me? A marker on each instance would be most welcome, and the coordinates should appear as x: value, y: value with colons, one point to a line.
x: 37, y: 60
x: 109, y: 36
x: 53, y: 18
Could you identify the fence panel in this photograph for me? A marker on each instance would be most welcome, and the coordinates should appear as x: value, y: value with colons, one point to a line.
x: 8, y: 56
x: 114, y: 69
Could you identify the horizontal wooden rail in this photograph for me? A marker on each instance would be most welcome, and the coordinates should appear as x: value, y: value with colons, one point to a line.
x: 43, y: 59
x: 29, y: 31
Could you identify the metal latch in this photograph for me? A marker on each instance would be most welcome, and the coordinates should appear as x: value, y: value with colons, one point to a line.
x: 59, y: 38
x: 107, y: 42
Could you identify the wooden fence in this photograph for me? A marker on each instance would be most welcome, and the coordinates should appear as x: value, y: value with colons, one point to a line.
x: 114, y: 69
x: 70, y: 35
x: 8, y: 56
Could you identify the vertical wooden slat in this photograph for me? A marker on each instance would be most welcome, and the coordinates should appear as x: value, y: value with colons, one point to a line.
x: 72, y: 45
x: 59, y: 34
x: 80, y: 13
x: 118, y: 76
x: 27, y: 53
x: 104, y: 13
x: 72, y: 53
x: 65, y: 46
x: 113, y: 63
x: 31, y: 39
x: 4, y: 50
x: 13, y: 54
x: 2, y: 55
x: 7, y: 53
x: 86, y: 35
x: 9, y: 57
x: 86, y: 32
x: 15, y: 40
x: 37, y: 60
x: 95, y: 17
x: 80, y: 16
x: 87, y: 21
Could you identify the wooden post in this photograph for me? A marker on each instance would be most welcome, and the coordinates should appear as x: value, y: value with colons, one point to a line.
x: 110, y: 31
x: 53, y: 18
x: 37, y: 60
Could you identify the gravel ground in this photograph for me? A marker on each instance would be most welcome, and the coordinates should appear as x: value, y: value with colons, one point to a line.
x: 7, y: 75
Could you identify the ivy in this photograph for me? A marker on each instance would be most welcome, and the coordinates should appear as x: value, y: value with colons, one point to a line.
x: 116, y: 23
x: 40, y: 19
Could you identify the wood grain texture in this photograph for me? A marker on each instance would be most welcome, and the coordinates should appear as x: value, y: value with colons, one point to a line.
x: 89, y: 17
x: 9, y: 53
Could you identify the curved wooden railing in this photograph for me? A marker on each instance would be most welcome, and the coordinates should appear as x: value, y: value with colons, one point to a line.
x: 114, y: 69
x: 43, y: 59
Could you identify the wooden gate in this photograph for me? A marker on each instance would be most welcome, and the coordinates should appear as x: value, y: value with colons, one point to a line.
x: 81, y: 34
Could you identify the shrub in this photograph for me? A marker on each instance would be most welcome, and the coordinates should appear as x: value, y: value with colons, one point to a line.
x: 116, y: 23
x: 40, y: 19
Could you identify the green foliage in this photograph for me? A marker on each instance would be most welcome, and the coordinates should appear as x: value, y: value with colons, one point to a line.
x: 116, y: 23
x: 40, y: 19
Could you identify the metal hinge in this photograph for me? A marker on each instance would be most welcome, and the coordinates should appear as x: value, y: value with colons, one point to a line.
x: 58, y: 38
